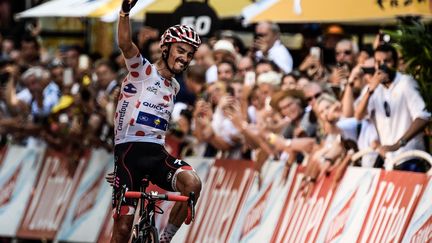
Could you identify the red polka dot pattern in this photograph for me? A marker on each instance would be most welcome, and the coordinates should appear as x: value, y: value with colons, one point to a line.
x: 148, y: 70
x: 140, y: 133
x: 135, y: 65
x: 135, y: 74
x: 166, y: 98
x: 166, y: 83
x: 132, y: 121
x: 137, y: 104
x: 116, y: 114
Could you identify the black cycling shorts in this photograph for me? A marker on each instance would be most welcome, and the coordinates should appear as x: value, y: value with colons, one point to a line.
x: 134, y: 160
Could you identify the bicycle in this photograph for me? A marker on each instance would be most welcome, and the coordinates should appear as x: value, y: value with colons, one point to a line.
x: 145, y: 231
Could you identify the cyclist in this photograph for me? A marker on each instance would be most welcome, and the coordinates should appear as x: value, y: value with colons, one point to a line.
x: 141, y: 120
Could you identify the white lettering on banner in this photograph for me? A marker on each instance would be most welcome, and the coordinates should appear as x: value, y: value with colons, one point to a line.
x: 219, y: 210
x: 88, y: 200
x: 255, y: 214
x: 387, y: 216
x: 9, y: 187
x: 340, y: 220
x: 201, y: 24
x: 287, y: 211
x: 304, y: 215
x: 424, y: 234
x: 59, y: 187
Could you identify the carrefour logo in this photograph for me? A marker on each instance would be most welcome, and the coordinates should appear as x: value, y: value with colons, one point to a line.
x: 129, y: 90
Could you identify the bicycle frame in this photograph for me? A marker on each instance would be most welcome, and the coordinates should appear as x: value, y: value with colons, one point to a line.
x: 146, y: 223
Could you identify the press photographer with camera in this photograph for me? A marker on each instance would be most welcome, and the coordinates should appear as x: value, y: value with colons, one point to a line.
x: 397, y: 108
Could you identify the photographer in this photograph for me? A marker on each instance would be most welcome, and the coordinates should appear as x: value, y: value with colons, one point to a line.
x: 399, y: 111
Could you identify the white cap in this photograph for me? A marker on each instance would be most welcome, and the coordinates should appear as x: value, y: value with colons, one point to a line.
x: 224, y: 45
x: 270, y: 77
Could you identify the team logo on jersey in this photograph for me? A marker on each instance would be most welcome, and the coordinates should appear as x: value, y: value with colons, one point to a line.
x: 169, y: 176
x: 152, y: 89
x: 178, y: 162
x: 122, y: 114
x: 160, y: 108
x: 158, y: 83
x: 129, y: 90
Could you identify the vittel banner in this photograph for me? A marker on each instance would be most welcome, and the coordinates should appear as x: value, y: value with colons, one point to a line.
x: 224, y: 196
x: 53, y: 192
x: 420, y: 227
x: 392, y: 206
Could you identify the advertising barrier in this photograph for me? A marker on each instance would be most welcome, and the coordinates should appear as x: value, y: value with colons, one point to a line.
x: 225, y: 193
x: 392, y: 206
x: 45, y: 195
x: 349, y: 206
x: 17, y: 176
x: 420, y: 228
x: 53, y: 192
x: 264, y: 204
x: 83, y: 219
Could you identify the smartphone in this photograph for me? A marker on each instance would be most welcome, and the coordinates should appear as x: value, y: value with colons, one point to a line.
x: 249, y: 78
x: 83, y: 62
x: 68, y: 77
x: 315, y: 51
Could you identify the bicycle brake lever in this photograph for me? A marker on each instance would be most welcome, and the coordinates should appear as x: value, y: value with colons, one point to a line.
x: 120, y: 200
x: 191, y: 204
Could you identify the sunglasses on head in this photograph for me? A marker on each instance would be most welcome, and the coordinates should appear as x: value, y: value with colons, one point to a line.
x: 316, y: 96
x: 387, y: 109
x: 346, y: 52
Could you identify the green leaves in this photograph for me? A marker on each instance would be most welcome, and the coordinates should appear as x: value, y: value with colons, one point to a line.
x: 414, y: 42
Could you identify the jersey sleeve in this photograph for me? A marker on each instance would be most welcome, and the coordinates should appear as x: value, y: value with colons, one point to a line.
x: 139, y: 68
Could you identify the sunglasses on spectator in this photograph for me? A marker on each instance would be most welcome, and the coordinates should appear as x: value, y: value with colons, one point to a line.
x: 387, y: 109
x: 346, y: 52
x: 316, y: 96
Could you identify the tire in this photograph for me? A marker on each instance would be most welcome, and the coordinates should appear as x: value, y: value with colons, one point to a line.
x: 151, y: 235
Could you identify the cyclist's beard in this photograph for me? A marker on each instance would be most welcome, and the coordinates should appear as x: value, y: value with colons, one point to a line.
x: 177, y: 71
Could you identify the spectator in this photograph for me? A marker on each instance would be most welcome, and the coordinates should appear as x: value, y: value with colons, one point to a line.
x: 30, y: 52
x: 394, y: 102
x: 204, y: 58
x: 245, y: 64
x: 268, y: 45
x: 226, y: 71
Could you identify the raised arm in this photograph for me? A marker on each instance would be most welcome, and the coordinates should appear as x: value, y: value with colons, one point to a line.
x: 126, y: 45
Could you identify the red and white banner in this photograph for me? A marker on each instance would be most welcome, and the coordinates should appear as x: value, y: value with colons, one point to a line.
x: 90, y: 202
x: 420, y: 227
x: 349, y: 206
x: 264, y: 204
x: 392, y: 206
x: 17, y: 177
x: 223, y: 196
x: 52, y: 195
x: 302, y: 215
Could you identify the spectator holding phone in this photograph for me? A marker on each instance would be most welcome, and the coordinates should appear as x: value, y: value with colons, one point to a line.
x: 268, y: 45
x: 399, y: 111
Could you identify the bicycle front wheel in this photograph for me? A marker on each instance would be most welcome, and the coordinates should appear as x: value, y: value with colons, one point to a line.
x: 151, y: 235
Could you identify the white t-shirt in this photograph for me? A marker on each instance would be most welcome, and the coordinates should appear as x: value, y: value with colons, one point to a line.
x: 145, y: 104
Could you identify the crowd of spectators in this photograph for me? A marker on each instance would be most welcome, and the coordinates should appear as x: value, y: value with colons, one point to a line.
x: 236, y: 101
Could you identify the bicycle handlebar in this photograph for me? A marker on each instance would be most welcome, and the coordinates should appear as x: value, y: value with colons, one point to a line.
x: 166, y: 197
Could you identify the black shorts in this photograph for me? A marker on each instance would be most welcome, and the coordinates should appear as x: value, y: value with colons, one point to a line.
x: 134, y: 160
